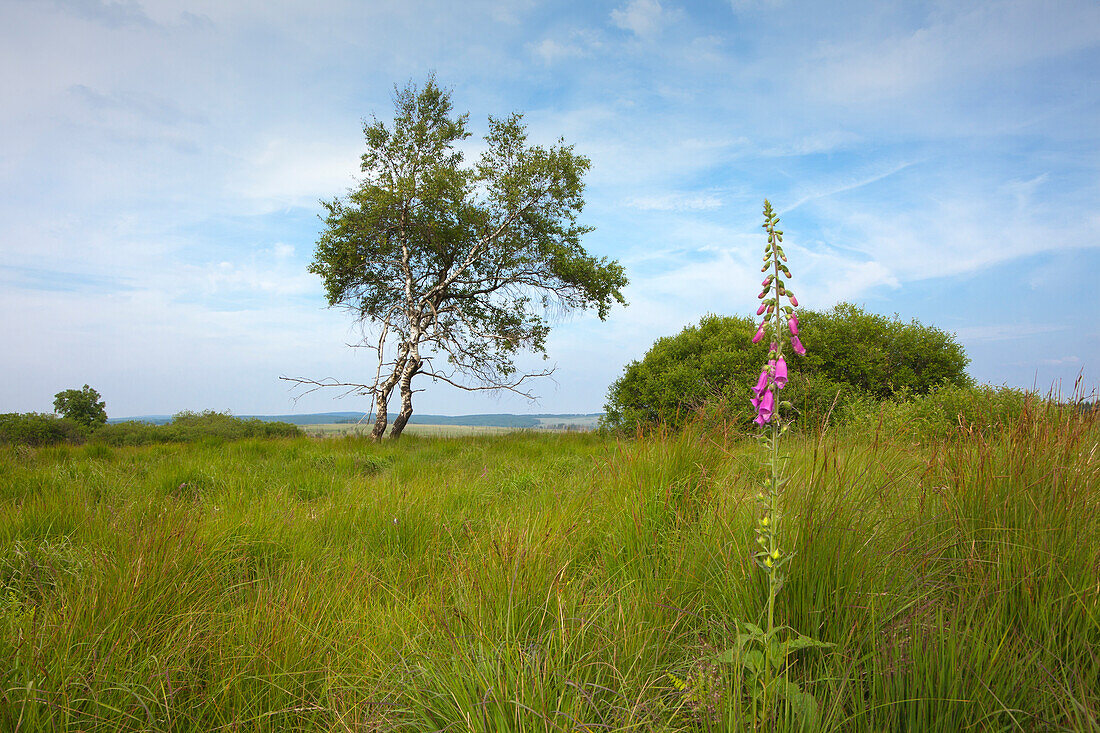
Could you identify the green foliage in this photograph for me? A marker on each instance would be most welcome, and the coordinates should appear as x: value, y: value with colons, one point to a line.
x: 764, y: 658
x: 190, y: 427
x: 542, y: 582
x: 851, y: 353
x: 714, y: 362
x: 947, y: 410
x: 33, y: 428
x: 466, y: 263
x: 82, y: 406
x: 879, y: 355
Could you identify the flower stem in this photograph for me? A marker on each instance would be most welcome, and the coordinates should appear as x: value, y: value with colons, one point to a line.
x: 771, y: 511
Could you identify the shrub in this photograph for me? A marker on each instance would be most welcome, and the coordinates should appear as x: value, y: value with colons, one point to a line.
x: 709, y: 364
x: 945, y: 411
x: 190, y: 427
x: 879, y: 355
x: 35, y: 428
x: 708, y: 369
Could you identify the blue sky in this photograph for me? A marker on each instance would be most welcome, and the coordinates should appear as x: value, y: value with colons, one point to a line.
x: 161, y: 163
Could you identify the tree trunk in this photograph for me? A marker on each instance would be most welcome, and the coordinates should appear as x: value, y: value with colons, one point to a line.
x: 406, y: 398
x: 382, y: 419
x: 382, y: 399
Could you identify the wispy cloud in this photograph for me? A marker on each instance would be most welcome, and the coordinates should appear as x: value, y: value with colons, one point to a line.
x: 961, y: 44
x: 161, y: 171
x: 641, y: 17
x: 679, y: 201
x: 148, y: 106
x: 109, y: 14
x: 1009, y: 331
x: 834, y: 187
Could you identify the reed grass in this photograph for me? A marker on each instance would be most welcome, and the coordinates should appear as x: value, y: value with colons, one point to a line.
x: 548, y: 582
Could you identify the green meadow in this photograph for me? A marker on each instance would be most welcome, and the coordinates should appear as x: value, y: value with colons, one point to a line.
x: 549, y: 582
x: 362, y: 429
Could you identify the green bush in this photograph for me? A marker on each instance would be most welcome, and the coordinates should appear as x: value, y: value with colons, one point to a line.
x: 709, y: 369
x: 33, y: 428
x: 712, y: 364
x: 190, y: 427
x: 945, y: 411
x: 879, y: 355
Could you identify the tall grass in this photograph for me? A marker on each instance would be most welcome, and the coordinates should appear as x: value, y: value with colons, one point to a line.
x: 548, y: 582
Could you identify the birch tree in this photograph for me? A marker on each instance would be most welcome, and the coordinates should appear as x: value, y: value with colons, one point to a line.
x: 454, y: 269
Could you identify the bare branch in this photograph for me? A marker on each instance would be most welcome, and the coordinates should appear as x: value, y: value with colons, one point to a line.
x: 317, y: 384
x: 513, y: 387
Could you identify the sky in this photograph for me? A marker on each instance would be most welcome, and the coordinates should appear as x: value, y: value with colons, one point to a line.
x: 162, y: 163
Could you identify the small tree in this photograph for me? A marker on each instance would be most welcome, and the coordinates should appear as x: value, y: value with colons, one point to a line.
x: 82, y: 406
x: 457, y: 268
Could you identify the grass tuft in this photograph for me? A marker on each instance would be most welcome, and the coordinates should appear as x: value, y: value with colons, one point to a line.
x: 549, y: 581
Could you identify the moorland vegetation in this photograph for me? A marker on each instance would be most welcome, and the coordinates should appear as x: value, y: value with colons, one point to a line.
x: 38, y: 429
x: 908, y: 552
x: 551, y: 581
x: 856, y: 361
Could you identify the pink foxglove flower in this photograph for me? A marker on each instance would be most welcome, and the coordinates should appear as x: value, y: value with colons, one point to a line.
x: 794, y: 301
x: 766, y: 406
x: 759, y: 335
x: 792, y: 323
x: 761, y: 385
x: 780, y: 377
x: 798, y: 347
x: 761, y: 309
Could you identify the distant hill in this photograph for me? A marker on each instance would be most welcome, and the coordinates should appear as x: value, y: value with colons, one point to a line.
x: 575, y: 421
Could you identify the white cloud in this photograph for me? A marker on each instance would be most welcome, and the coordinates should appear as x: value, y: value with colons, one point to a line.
x: 1012, y: 331
x: 137, y: 129
x: 746, y: 6
x: 676, y: 201
x: 295, y: 171
x: 643, y: 18
x: 1062, y: 361
x: 551, y: 51
x: 826, y: 189
x: 955, y: 47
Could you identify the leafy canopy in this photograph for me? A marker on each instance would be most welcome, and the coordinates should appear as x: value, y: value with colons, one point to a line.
x: 469, y: 261
x: 82, y: 406
x: 849, y: 350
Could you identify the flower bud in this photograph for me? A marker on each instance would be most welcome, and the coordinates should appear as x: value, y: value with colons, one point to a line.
x: 794, y: 300
x: 760, y: 310
x: 759, y: 336
x: 798, y: 347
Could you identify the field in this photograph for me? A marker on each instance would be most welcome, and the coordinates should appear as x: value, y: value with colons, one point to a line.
x: 335, y: 430
x: 556, y: 423
x: 548, y: 581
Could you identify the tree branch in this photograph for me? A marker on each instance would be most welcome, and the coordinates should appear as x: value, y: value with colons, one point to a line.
x: 513, y: 387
